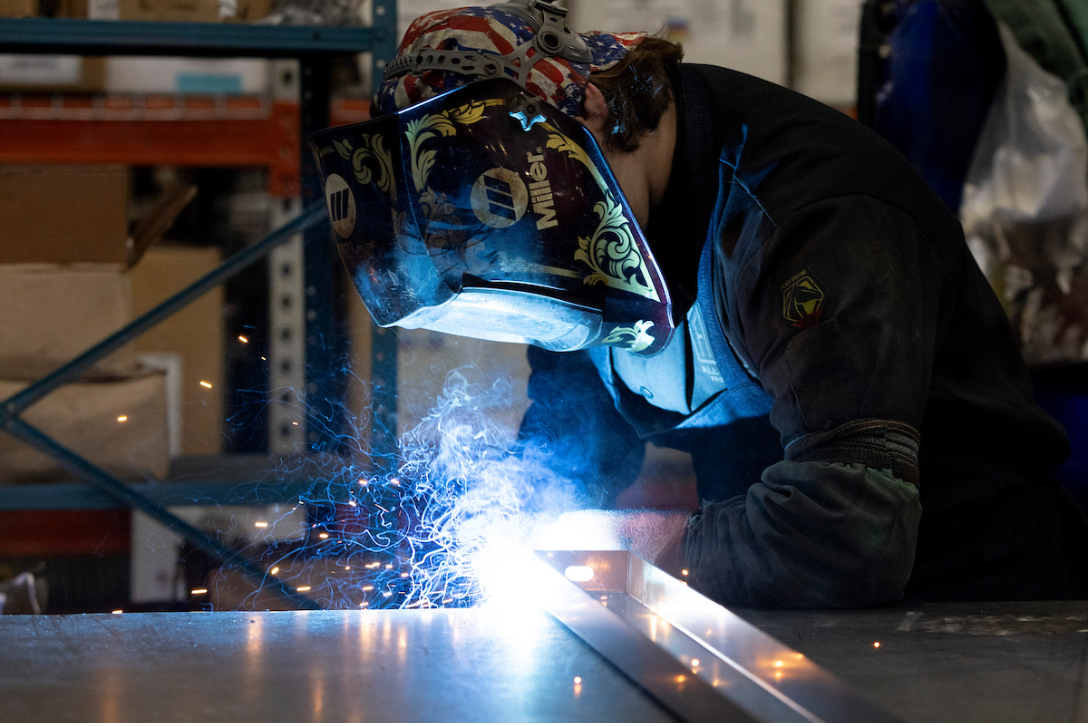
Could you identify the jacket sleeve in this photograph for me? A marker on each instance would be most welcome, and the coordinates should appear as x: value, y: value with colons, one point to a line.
x: 836, y: 314
x: 573, y: 426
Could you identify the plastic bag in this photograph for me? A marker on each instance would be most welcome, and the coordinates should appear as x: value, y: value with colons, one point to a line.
x: 1025, y: 210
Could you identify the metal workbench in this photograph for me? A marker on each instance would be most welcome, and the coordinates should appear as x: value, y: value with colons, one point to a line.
x: 555, y: 656
x: 469, y: 665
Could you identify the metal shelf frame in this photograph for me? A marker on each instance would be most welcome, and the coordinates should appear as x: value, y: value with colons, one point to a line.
x: 314, y: 48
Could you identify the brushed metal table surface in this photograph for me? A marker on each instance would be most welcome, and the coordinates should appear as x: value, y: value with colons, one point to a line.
x: 437, y: 665
x: 1010, y: 661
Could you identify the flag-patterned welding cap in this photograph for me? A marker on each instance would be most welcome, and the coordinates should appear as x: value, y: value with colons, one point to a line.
x: 488, y: 213
x: 526, y: 41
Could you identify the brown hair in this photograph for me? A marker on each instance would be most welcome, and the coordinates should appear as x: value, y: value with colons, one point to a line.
x: 637, y: 90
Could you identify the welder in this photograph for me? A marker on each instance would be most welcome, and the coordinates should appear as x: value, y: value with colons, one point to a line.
x: 713, y: 263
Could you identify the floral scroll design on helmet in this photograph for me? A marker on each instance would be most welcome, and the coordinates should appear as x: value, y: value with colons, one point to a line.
x: 444, y: 236
x: 442, y: 123
x: 371, y: 155
x: 633, y: 338
x: 611, y: 252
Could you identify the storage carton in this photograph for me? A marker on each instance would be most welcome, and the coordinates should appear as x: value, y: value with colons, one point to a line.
x: 188, y: 11
x: 196, y: 333
x: 51, y: 313
x: 31, y: 73
x: 18, y: 8
x: 119, y: 426
x: 64, y: 214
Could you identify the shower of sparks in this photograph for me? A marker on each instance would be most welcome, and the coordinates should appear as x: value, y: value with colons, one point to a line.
x: 438, y: 523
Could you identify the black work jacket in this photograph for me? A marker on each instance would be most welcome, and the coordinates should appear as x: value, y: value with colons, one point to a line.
x: 844, y: 287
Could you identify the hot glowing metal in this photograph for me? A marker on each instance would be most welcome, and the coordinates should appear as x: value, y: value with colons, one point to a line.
x: 698, y: 658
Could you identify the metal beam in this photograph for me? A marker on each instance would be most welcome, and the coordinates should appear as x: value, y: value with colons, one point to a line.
x: 129, y: 498
x: 128, y: 37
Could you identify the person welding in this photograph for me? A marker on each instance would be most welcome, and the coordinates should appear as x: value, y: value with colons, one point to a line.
x: 713, y: 263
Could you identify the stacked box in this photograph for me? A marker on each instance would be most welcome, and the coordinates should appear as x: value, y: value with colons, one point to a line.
x: 195, y: 335
x: 65, y: 286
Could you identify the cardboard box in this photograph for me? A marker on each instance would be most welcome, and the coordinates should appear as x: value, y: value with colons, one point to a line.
x: 49, y: 314
x: 250, y: 10
x: 71, y: 9
x: 119, y: 426
x: 29, y: 73
x: 179, y: 11
x: 18, y: 8
x: 196, y: 333
x: 64, y: 214
x: 136, y: 74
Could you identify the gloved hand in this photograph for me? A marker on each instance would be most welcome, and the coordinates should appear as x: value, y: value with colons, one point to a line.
x: 651, y: 534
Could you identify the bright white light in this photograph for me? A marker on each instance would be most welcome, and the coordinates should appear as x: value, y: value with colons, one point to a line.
x: 579, y: 573
x: 205, y: 384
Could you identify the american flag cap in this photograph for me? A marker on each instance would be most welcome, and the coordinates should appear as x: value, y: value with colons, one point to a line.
x: 495, y: 30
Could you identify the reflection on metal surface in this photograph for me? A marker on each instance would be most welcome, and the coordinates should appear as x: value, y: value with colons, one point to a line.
x: 718, y: 667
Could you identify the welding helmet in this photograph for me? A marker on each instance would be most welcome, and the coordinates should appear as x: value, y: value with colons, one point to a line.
x: 484, y: 210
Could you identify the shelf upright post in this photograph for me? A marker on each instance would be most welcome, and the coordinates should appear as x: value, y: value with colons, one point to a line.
x: 287, y: 422
x: 324, y: 392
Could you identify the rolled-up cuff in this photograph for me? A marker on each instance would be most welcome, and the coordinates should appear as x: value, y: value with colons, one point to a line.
x: 876, y: 443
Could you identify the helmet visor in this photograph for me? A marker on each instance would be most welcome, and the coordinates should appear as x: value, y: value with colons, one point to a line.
x: 489, y: 213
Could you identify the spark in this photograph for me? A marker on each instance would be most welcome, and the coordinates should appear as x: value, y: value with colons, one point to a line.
x: 243, y: 339
x: 577, y: 680
x: 117, y: 612
x: 876, y: 645
x: 447, y: 521
x: 205, y: 384
x: 122, y: 419
x: 684, y: 573
x: 694, y: 662
x: 260, y: 525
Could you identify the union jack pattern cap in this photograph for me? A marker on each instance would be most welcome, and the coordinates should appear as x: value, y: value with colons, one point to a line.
x: 495, y: 31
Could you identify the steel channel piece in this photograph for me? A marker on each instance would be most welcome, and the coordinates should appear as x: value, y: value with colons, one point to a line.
x: 668, y: 638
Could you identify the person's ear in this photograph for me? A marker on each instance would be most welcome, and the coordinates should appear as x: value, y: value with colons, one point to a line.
x: 594, y: 112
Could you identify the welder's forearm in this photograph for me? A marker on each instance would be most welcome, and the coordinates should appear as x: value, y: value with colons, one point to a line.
x: 809, y: 535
